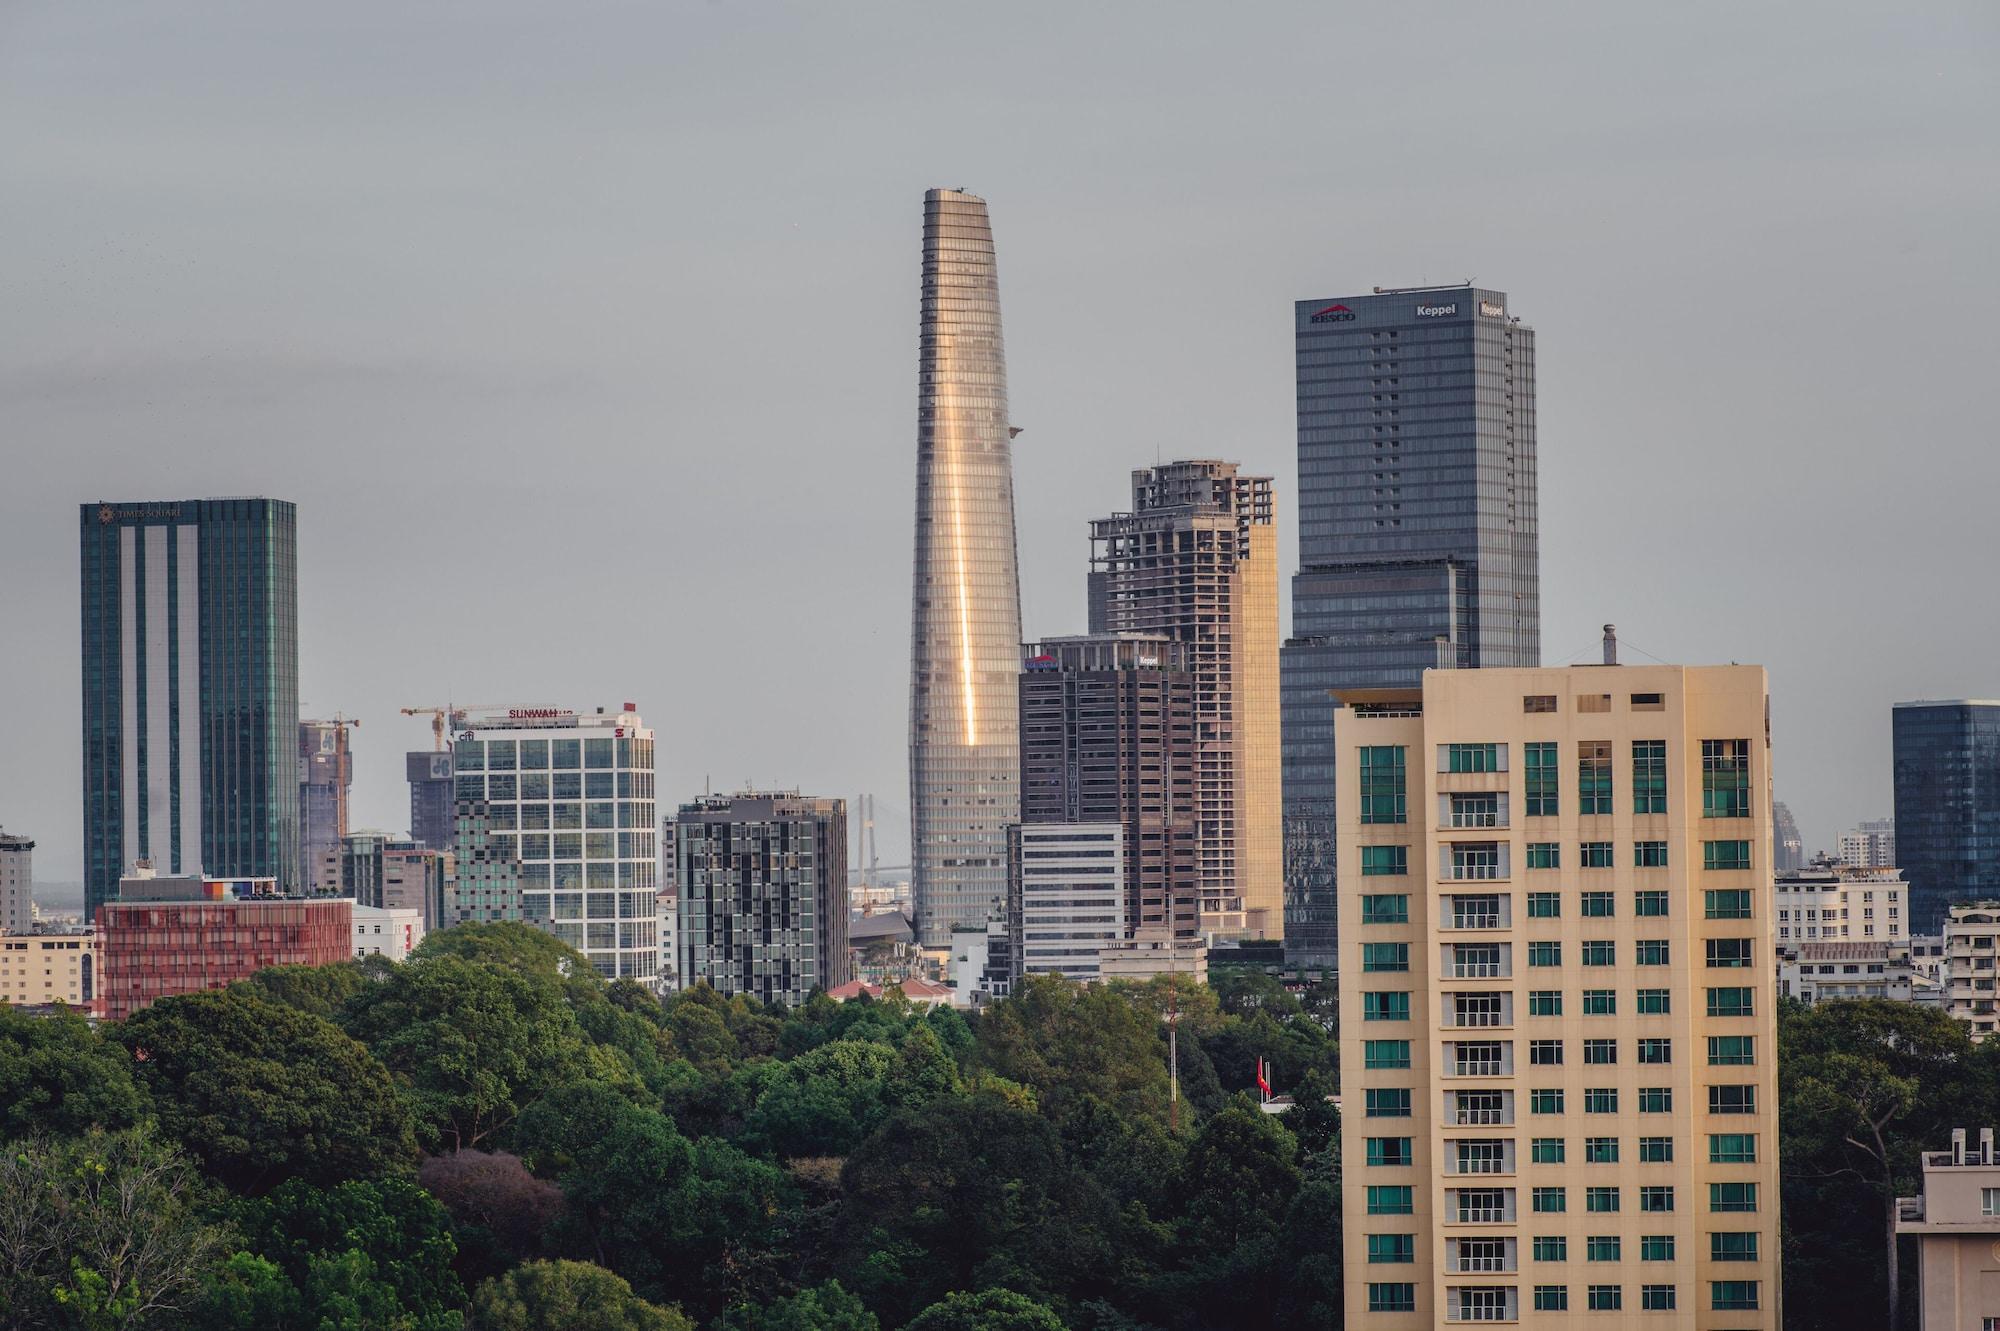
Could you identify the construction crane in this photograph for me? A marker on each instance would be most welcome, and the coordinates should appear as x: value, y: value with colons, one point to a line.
x: 450, y: 716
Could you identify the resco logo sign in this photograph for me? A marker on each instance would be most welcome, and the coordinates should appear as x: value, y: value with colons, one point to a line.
x: 1437, y: 311
x: 1491, y: 310
x: 1333, y: 314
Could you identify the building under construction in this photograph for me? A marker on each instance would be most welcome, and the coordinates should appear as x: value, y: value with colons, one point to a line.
x: 1196, y: 561
x: 326, y: 773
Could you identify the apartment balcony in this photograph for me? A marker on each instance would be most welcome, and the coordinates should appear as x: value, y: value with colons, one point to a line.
x: 1482, y: 1164
x: 1481, y: 1266
x: 1481, y: 1118
x: 1477, y: 911
x: 1506, y: 1309
x: 1481, y: 1257
x: 1482, y: 1215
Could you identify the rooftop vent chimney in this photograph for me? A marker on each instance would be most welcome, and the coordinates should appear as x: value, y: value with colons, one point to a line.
x: 1611, y: 644
x: 1446, y: 658
x: 1958, y: 1146
x: 1986, y: 1147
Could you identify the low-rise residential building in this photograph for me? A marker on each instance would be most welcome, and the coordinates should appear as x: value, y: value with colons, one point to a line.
x: 1972, y: 965
x: 981, y: 968
x: 1927, y: 970
x: 1812, y: 972
x: 882, y: 945
x: 176, y: 935
x: 1842, y: 903
x: 1149, y: 956
x: 922, y: 992
x: 384, y: 932
x: 1956, y: 1222
x: 42, y: 968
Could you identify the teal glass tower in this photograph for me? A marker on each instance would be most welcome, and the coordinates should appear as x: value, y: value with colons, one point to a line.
x: 190, y: 690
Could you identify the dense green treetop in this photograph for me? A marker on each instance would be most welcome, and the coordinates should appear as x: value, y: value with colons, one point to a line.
x: 988, y: 1310
x: 260, y: 1092
x: 58, y: 1076
x: 572, y: 1296
x: 472, y: 1044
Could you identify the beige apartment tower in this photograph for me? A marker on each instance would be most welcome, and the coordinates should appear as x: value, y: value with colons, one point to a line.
x: 1196, y: 560
x: 1559, y: 1055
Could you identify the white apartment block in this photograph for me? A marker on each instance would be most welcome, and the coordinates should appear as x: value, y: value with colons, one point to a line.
x: 387, y: 932
x: 1841, y: 903
x: 1814, y: 972
x: 1971, y: 946
x: 1559, y: 1043
x: 1069, y: 896
x: 1871, y: 845
x: 1956, y: 1221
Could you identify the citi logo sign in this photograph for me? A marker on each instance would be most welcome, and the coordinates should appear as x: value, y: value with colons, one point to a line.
x: 1333, y: 314
x: 1437, y: 311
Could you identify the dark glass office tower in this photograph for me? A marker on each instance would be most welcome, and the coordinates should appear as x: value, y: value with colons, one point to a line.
x: 1947, y: 757
x: 1108, y: 725
x: 190, y: 690
x: 1417, y: 531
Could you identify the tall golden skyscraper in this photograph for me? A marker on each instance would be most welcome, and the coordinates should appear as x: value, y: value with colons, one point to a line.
x: 965, y: 621
x: 1559, y: 1050
x: 1196, y: 560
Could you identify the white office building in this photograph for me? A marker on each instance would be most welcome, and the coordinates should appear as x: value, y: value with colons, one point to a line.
x: 1069, y: 896
x: 385, y: 932
x: 570, y: 794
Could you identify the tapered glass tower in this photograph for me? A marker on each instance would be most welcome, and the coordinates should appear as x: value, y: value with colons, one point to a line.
x: 965, y: 621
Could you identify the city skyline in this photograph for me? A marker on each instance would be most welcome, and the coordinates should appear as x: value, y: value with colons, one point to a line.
x: 521, y: 352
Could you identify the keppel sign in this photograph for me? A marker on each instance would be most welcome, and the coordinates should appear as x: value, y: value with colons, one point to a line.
x: 1437, y: 311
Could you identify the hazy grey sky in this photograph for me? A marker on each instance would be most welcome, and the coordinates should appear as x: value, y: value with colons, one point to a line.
x: 584, y: 335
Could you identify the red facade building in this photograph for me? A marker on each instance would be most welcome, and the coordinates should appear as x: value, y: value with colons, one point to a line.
x: 149, y: 950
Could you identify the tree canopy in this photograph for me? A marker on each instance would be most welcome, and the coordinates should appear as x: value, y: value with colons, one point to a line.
x: 260, y: 1092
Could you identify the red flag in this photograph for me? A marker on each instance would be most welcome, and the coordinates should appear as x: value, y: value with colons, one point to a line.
x: 1263, y: 1083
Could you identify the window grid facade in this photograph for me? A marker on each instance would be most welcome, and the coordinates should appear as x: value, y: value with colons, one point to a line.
x: 1626, y: 1137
